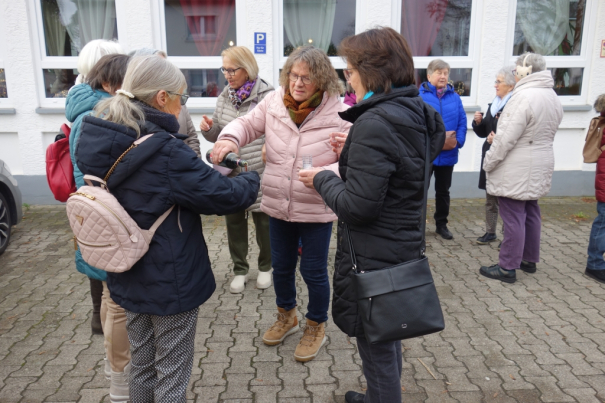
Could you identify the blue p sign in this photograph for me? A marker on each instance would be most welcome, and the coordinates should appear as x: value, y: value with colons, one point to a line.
x: 260, y: 42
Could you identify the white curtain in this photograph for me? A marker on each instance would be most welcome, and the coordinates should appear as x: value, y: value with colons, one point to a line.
x: 310, y: 22
x: 544, y: 23
x: 54, y: 34
x: 86, y: 20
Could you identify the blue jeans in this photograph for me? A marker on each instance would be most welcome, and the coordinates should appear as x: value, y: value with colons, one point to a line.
x: 313, y: 264
x: 596, y: 244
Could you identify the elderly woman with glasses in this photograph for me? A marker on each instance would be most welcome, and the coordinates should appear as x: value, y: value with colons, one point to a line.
x: 485, y: 127
x: 244, y: 92
x: 297, y: 121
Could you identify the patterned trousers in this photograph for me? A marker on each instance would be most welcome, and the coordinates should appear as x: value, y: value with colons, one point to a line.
x: 162, y: 356
x: 491, y: 213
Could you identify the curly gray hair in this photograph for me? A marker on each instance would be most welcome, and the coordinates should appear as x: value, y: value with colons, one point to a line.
x: 506, y: 73
x: 534, y: 60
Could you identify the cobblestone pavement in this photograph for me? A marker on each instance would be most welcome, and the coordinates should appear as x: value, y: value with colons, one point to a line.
x: 541, y: 339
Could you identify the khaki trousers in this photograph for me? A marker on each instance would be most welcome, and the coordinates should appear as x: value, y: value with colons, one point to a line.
x: 117, y: 346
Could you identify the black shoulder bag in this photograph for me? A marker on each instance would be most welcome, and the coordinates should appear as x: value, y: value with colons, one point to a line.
x: 399, y: 302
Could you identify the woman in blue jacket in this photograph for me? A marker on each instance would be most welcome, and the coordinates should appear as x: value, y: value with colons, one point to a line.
x: 441, y: 96
x: 162, y: 292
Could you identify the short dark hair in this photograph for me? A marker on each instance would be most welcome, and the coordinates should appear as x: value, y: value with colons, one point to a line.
x: 110, y: 69
x: 382, y: 57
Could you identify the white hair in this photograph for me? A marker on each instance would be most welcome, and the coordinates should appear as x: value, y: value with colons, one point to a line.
x: 144, y: 78
x: 534, y: 60
x: 92, y: 52
x: 506, y: 73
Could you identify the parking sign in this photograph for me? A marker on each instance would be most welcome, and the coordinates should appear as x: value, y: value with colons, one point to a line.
x: 260, y: 42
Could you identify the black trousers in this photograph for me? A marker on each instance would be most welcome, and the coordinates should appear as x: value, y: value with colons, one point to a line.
x: 382, y: 366
x: 443, y: 182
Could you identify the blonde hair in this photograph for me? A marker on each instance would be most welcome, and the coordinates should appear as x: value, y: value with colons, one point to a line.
x: 93, y: 51
x: 145, y: 77
x: 243, y: 57
x: 321, y: 71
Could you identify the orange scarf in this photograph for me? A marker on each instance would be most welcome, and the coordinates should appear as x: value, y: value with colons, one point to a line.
x: 300, y: 110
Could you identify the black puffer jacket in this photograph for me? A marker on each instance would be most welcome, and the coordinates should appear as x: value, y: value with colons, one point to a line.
x: 380, y: 195
x: 488, y: 124
x: 175, y: 275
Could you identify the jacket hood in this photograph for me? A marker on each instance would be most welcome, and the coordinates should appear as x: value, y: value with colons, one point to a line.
x: 541, y: 79
x: 397, y: 94
x: 102, y: 142
x: 82, y: 98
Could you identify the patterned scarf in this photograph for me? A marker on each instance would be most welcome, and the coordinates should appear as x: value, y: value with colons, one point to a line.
x: 236, y: 97
x: 300, y: 110
x: 441, y: 92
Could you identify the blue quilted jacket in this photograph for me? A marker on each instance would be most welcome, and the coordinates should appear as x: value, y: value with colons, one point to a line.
x: 80, y: 102
x: 453, y: 115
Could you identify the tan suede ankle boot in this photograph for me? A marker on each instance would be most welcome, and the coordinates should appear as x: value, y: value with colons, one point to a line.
x: 312, y: 340
x: 285, y: 325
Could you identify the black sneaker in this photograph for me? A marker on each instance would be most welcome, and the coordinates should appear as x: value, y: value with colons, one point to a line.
x: 444, y: 232
x: 354, y: 397
x: 487, y: 238
x: 598, y: 275
x: 498, y: 273
x: 528, y: 267
x: 499, y: 245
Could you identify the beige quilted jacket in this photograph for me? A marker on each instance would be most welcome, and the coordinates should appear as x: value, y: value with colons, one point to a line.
x: 225, y: 112
x: 188, y: 129
x: 521, y: 161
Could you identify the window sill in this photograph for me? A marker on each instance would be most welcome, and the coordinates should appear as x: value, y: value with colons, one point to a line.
x: 50, y: 111
x: 581, y: 108
x: 8, y: 111
x: 472, y: 108
x: 200, y: 111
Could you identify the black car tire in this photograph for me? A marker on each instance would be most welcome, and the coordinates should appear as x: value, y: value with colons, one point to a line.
x: 5, y: 224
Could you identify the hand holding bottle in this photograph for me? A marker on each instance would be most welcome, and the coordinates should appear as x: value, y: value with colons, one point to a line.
x: 206, y: 123
x: 222, y: 148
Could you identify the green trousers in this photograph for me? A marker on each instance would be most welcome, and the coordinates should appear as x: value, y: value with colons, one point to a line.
x: 237, y: 235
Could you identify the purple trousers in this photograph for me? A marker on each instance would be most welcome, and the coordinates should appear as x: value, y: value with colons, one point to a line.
x: 522, y: 226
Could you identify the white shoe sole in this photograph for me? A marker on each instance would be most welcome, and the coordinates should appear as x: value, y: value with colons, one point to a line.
x: 238, y: 290
x: 288, y: 333
x: 118, y: 399
x: 310, y: 357
x: 263, y: 286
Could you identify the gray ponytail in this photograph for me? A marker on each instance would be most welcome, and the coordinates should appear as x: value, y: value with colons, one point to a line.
x: 145, y: 77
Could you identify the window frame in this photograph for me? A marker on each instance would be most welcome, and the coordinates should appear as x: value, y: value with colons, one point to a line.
x: 198, y: 62
x: 581, y: 61
x: 472, y: 61
x: 278, y: 28
x: 44, y: 62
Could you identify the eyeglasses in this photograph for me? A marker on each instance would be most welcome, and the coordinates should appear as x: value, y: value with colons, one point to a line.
x: 514, y: 72
x: 347, y: 73
x: 184, y: 97
x: 294, y: 78
x: 231, y: 72
x: 497, y: 82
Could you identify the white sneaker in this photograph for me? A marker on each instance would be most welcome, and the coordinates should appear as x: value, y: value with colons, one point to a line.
x: 264, y: 279
x: 238, y: 284
x: 118, y: 391
x: 107, y: 369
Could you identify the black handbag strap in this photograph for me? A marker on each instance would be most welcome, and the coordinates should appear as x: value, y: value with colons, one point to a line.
x: 427, y: 174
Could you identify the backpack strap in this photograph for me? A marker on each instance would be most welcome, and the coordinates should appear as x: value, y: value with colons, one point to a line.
x: 159, y: 221
x: 134, y: 145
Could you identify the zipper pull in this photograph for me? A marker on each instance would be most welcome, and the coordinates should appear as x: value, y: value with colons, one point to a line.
x: 75, y: 244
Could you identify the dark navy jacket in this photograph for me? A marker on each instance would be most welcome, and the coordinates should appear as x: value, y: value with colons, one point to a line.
x: 175, y: 275
x: 453, y: 115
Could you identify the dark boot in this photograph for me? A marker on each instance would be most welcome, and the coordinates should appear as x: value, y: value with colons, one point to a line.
x: 354, y: 397
x: 96, y: 293
x: 498, y: 273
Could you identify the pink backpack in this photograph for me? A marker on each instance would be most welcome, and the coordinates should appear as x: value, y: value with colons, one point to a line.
x: 108, y: 238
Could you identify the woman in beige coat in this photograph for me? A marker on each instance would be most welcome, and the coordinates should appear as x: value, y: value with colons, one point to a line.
x: 244, y: 92
x: 520, y: 163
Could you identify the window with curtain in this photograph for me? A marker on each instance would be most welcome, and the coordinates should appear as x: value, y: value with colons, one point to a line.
x: 3, y: 91
x: 437, y: 27
x: 199, y: 27
x: 321, y: 23
x: 553, y: 28
x: 68, y: 26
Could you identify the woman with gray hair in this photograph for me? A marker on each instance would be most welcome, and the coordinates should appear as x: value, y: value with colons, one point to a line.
x: 297, y: 121
x: 155, y: 175
x: 520, y: 164
x: 485, y: 128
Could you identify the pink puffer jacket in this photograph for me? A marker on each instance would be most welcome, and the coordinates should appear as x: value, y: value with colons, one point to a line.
x: 284, y: 196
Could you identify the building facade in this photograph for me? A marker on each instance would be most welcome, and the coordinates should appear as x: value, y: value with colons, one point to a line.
x: 40, y: 41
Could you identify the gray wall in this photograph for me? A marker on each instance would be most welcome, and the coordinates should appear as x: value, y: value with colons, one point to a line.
x: 464, y: 185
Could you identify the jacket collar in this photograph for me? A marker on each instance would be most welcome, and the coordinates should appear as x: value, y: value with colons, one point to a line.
x: 82, y: 98
x: 279, y: 110
x: 351, y: 114
x: 260, y: 87
x: 428, y: 87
